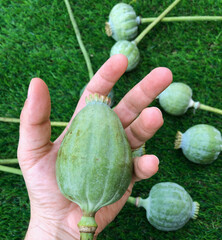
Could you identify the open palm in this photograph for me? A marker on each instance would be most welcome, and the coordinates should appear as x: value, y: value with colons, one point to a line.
x: 52, y: 215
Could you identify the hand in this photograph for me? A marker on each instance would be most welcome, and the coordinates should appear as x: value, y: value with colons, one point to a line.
x: 52, y: 215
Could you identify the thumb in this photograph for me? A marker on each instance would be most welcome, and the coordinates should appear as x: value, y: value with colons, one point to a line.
x: 35, y: 128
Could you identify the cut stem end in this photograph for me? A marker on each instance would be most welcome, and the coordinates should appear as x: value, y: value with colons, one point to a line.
x: 86, y: 236
x: 133, y: 201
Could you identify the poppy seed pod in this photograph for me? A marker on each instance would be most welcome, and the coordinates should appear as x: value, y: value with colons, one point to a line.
x: 176, y: 98
x: 94, y: 164
x: 169, y: 206
x: 201, y: 143
x: 130, y: 50
x: 123, y: 22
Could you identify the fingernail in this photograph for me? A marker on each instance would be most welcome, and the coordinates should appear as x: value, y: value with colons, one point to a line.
x: 29, y: 89
x: 158, y: 161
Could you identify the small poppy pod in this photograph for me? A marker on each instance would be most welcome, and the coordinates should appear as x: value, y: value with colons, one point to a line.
x: 200, y: 144
x: 176, y: 99
x: 130, y: 50
x: 123, y: 22
x: 168, y: 207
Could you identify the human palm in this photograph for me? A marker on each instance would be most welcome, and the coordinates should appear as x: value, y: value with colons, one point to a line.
x: 52, y: 215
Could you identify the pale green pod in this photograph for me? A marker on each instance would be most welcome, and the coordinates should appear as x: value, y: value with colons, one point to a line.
x: 123, y: 22
x: 169, y: 206
x: 201, y: 143
x: 130, y: 50
x: 176, y: 98
x: 94, y: 163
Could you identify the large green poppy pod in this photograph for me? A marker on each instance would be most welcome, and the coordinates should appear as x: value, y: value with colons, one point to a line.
x: 169, y: 206
x: 130, y: 50
x: 123, y: 22
x: 201, y: 143
x: 94, y: 164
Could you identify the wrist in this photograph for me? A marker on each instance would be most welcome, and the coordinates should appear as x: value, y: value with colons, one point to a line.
x: 48, y: 230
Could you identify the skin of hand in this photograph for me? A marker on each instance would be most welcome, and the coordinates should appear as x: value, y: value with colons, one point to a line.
x: 52, y: 215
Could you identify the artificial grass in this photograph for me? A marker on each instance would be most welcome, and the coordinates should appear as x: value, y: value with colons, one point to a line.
x: 37, y: 40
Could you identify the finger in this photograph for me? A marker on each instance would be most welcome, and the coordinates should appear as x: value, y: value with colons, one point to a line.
x: 105, y: 78
x: 145, y: 167
x: 35, y: 128
x: 144, y: 127
x: 102, y: 82
x: 143, y: 94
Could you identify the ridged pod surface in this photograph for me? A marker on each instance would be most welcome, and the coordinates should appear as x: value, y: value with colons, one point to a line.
x: 176, y: 98
x: 130, y: 50
x: 123, y: 22
x: 169, y: 206
x: 201, y: 143
x: 94, y: 163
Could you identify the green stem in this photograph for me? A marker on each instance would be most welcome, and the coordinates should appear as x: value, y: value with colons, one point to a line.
x: 17, y: 120
x: 132, y: 2
x: 86, y: 236
x: 208, y: 108
x: 12, y: 120
x: 158, y: 19
x: 9, y: 161
x: 78, y: 36
x: 59, y: 124
x: 131, y: 200
x: 87, y: 227
x: 139, y: 202
x: 10, y: 170
x: 184, y: 19
x: 143, y: 203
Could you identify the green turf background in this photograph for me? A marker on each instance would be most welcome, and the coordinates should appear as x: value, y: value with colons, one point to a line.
x: 37, y: 40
